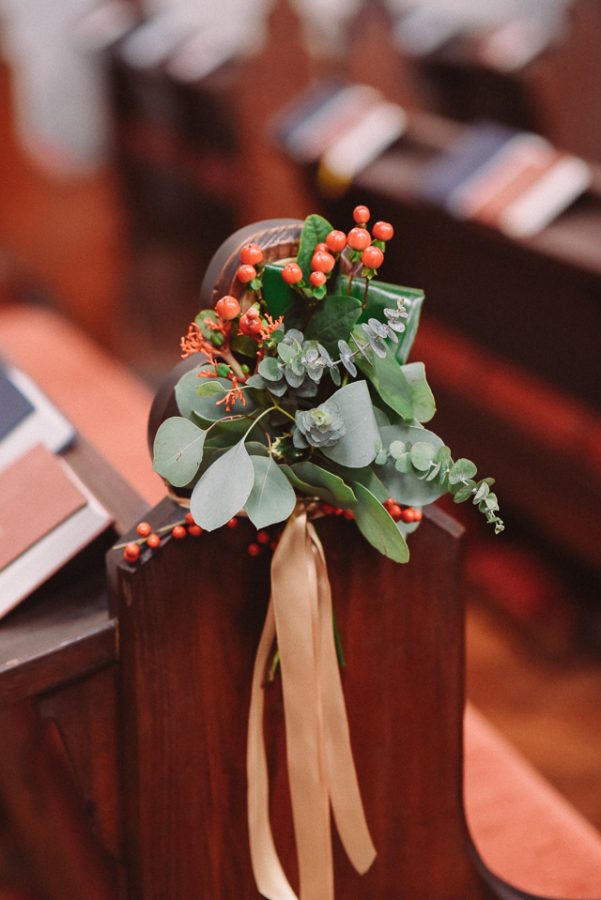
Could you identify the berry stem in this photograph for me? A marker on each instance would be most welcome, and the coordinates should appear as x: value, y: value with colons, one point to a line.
x: 228, y: 357
x: 365, y: 293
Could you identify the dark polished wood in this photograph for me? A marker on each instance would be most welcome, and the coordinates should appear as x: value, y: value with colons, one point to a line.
x: 190, y: 617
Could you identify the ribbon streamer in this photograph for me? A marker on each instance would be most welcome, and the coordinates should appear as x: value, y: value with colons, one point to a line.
x: 321, y: 768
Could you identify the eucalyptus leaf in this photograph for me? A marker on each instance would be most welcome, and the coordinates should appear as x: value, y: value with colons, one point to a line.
x: 381, y: 296
x: 272, y: 499
x: 360, y: 443
x: 399, y: 478
x: 177, y: 451
x: 422, y: 398
x: 340, y: 493
x: 462, y: 492
x: 388, y: 379
x: 315, y: 230
x: 188, y: 399
x: 462, y: 470
x: 223, y: 489
x: 378, y: 527
x: 333, y: 321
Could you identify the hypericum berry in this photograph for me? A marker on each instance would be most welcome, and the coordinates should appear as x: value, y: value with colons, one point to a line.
x: 189, y: 519
x: 253, y: 549
x: 317, y: 279
x: 143, y: 529
x: 227, y: 307
x: 251, y: 255
x: 326, y: 509
x: 417, y: 515
x: 361, y: 215
x: 246, y: 274
x: 262, y: 537
x: 250, y: 325
x: 195, y: 530
x: 358, y: 238
x: 292, y: 273
x: 349, y: 514
x: 336, y: 241
x: 178, y: 532
x: 395, y: 511
x: 131, y: 552
x: 322, y: 261
x: 408, y: 514
x: 372, y: 257
x: 153, y: 541
x: 252, y: 313
x: 233, y: 523
x: 321, y: 247
x: 383, y: 231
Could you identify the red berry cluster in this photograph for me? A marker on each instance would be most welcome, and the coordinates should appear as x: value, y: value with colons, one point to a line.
x: 328, y: 510
x: 152, y: 539
x: 360, y: 240
x: 263, y: 542
x: 251, y: 256
x: 401, y: 513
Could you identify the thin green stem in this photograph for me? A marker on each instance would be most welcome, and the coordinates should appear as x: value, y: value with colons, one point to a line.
x: 283, y: 411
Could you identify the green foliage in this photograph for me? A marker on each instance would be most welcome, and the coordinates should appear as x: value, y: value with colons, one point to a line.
x: 190, y: 401
x: 315, y: 230
x: 378, y: 527
x: 316, y: 481
x: 387, y: 378
x: 333, y: 321
x: 223, y: 489
x: 381, y: 296
x: 177, y: 451
x: 271, y: 499
x: 359, y: 445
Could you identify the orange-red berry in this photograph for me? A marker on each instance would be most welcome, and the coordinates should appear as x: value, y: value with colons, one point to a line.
x: 249, y: 325
x: 383, y: 231
x: 195, y: 530
x: 358, y: 238
x: 292, y: 273
x: 349, y: 514
x: 336, y: 241
x: 326, y: 509
x: 131, y: 552
x: 253, y: 549
x: 361, y: 215
x: 317, y: 279
x: 262, y: 537
x: 417, y: 515
x: 321, y: 247
x: 143, y: 529
x: 322, y: 261
x: 178, y: 532
x: 395, y: 511
x: 233, y: 523
x: 227, y: 307
x: 189, y: 519
x: 153, y: 541
x: 251, y: 255
x: 246, y: 274
x: 408, y: 514
x: 372, y: 257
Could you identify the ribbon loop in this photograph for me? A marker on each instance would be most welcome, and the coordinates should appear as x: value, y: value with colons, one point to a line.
x: 320, y: 762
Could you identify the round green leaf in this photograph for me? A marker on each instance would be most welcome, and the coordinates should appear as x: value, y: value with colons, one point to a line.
x: 272, y: 498
x: 177, y: 450
x: 223, y: 489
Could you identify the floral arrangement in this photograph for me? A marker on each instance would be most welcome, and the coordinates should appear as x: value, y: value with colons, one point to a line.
x: 303, y: 392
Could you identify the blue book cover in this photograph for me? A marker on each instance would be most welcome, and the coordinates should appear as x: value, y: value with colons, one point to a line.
x: 14, y: 406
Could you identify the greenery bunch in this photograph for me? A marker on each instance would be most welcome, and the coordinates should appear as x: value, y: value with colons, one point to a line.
x: 303, y: 389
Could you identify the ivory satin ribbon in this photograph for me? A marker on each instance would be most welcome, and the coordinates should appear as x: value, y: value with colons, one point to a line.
x: 321, y: 768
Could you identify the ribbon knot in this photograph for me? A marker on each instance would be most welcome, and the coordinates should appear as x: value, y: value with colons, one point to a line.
x: 321, y: 768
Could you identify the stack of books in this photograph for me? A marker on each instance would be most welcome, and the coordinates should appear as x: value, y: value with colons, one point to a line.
x: 47, y: 514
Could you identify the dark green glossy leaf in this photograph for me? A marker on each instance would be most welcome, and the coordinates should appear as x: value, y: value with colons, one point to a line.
x: 378, y: 527
x: 381, y: 296
x: 333, y: 321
